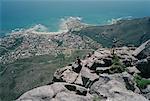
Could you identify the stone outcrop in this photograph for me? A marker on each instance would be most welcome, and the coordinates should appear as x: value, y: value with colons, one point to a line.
x: 57, y: 92
x: 146, y: 92
x: 143, y: 51
x: 143, y: 54
x: 109, y: 92
x: 65, y: 75
x: 93, y: 76
x: 144, y: 66
x: 133, y: 70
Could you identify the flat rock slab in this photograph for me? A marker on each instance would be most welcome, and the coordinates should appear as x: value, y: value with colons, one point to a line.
x: 57, y: 92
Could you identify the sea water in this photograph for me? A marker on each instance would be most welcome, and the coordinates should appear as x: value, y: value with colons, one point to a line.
x: 26, y: 13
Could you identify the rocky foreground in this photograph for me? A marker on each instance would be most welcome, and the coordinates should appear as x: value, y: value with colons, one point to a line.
x: 104, y: 75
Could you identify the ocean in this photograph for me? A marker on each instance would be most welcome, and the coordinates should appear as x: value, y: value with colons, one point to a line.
x: 24, y: 14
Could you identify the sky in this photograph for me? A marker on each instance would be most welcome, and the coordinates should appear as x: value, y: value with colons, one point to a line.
x: 74, y: 0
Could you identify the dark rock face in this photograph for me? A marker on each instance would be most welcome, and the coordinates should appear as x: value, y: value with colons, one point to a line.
x: 76, y: 67
x: 101, y: 63
x: 143, y: 54
x: 71, y: 87
x: 108, y: 62
x: 127, y: 63
x: 144, y: 66
x: 146, y: 92
x: 129, y: 83
x: 81, y: 91
x: 78, y: 90
x: 143, y: 51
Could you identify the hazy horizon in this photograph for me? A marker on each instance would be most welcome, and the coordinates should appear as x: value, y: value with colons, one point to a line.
x: 75, y: 0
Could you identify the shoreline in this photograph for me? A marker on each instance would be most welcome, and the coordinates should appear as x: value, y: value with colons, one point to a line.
x: 64, y: 29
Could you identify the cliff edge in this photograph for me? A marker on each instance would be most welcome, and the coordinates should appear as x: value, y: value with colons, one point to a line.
x: 115, y: 74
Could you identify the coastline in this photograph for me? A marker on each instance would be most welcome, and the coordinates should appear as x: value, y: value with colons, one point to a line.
x: 64, y: 26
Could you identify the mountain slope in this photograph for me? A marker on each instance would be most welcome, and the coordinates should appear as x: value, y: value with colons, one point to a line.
x: 126, y: 32
x: 25, y: 74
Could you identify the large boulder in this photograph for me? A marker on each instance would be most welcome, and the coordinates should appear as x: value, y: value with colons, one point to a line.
x: 65, y: 74
x: 143, y: 51
x: 88, y: 62
x: 64, y: 96
x: 144, y: 66
x: 106, y: 62
x: 143, y: 54
x: 102, y: 53
x: 85, y: 78
x: 133, y: 70
x: 146, y: 92
x: 88, y: 77
x: 114, y: 88
x: 57, y: 92
x: 125, y: 55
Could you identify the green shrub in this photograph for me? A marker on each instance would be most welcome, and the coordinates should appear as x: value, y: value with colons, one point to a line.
x: 117, y: 66
x: 117, y: 69
x: 96, y: 98
x: 141, y: 82
x: 137, y: 77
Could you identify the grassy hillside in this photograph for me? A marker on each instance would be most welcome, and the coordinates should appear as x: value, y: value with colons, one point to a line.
x: 126, y: 32
x: 25, y: 74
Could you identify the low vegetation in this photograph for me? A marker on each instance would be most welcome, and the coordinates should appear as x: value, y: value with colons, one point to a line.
x: 25, y: 74
x: 117, y: 66
x: 96, y: 98
x: 141, y: 82
x: 126, y: 31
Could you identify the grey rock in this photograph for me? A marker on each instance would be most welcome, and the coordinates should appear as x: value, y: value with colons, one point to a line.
x: 133, y: 70
x: 143, y: 66
x: 64, y: 96
x: 147, y: 95
x: 88, y: 62
x: 114, y: 89
x: 102, y: 53
x: 88, y: 77
x: 102, y: 69
x: 106, y: 62
x: 143, y: 51
x: 127, y: 62
x: 65, y: 74
x: 57, y: 92
x: 146, y: 92
x: 125, y: 55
